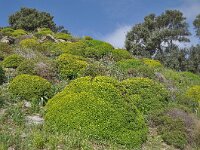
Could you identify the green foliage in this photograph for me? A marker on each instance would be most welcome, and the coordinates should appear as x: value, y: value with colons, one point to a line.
x: 29, y: 43
x: 30, y: 87
x: 194, y: 92
x: 147, y: 95
x: 18, y: 33
x: 152, y: 63
x: 69, y: 66
x: 7, y: 31
x: 145, y: 39
x: 26, y: 67
x: 119, y: 54
x: 30, y: 19
x: 196, y: 24
x: 63, y: 36
x: 12, y: 61
x: 98, y: 110
x: 43, y: 31
x: 88, y: 38
x: 2, y: 75
x: 5, y: 50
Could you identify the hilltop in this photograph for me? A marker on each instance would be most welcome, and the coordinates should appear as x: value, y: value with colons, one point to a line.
x: 64, y: 92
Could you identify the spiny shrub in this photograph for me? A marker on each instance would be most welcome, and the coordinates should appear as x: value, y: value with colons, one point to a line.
x: 98, y: 110
x: 30, y: 87
x: 12, y: 61
x: 135, y: 68
x: 5, y: 50
x: 69, y: 66
x: 152, y: 63
x: 194, y: 92
x: 18, y: 33
x: 63, y: 36
x: 145, y: 93
x: 7, y: 31
x: 119, y: 54
x: 2, y: 75
x: 26, y: 67
x: 43, y: 31
x: 29, y: 43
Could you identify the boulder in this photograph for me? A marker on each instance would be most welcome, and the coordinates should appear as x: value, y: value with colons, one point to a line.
x: 8, y: 40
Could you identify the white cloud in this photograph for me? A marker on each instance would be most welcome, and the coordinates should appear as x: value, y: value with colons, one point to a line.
x: 117, y: 38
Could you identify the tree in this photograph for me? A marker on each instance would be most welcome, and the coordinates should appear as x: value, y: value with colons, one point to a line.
x: 157, y: 34
x: 30, y: 19
x: 196, y: 24
x: 194, y: 59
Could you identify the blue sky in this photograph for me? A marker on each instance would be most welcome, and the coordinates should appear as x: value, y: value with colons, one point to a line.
x: 107, y: 20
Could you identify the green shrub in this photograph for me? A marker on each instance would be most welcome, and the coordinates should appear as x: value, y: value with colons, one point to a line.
x: 5, y: 50
x: 88, y: 38
x: 12, y: 61
x: 26, y: 67
x: 135, y: 68
x: 145, y: 93
x: 69, y: 66
x: 152, y: 63
x: 30, y: 87
x: 7, y: 31
x: 2, y: 75
x: 119, y: 54
x: 18, y: 33
x: 63, y: 36
x: 194, y: 92
x: 98, y: 110
x: 43, y: 31
x: 29, y: 43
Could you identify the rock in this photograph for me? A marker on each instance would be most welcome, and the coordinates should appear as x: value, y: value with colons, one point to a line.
x: 35, y: 119
x: 48, y: 37
x: 160, y: 77
x: 8, y: 40
x: 27, y: 104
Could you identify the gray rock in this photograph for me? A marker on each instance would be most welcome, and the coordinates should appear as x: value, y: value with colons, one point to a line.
x: 35, y: 119
x: 8, y: 40
x: 27, y: 104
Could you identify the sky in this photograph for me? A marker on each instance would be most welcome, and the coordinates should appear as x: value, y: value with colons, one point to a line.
x: 107, y: 20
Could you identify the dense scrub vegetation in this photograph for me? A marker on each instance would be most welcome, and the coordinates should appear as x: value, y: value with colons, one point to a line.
x: 91, y: 95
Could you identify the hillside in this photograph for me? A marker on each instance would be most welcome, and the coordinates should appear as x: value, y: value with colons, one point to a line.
x: 63, y: 92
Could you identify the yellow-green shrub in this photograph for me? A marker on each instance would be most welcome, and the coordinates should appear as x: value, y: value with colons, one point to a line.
x: 30, y: 87
x: 194, y: 92
x: 98, y: 110
x: 18, y: 33
x: 119, y: 54
x: 12, y: 61
x: 69, y: 66
x: 43, y: 31
x: 29, y: 43
x: 63, y: 36
x: 5, y: 50
x: 152, y: 63
x: 145, y: 93
x: 7, y: 31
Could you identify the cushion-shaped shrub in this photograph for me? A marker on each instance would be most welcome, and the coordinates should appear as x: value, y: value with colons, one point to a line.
x: 30, y: 87
x: 194, y: 93
x: 7, y: 31
x: 18, y: 33
x: 5, y: 50
x: 63, y: 36
x: 43, y: 31
x: 2, y: 75
x: 152, y: 95
x: 98, y: 110
x: 119, y: 54
x: 29, y: 43
x: 69, y: 66
x: 26, y: 67
x: 152, y: 63
x: 135, y: 68
x: 12, y: 61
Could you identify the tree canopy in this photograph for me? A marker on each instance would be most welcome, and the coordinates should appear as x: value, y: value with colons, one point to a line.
x: 30, y: 19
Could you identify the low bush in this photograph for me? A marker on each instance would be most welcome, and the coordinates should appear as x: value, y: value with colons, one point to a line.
x: 63, y: 36
x: 119, y: 54
x: 152, y: 63
x: 26, y: 67
x: 30, y: 87
x: 96, y: 109
x: 12, y: 61
x: 69, y: 66
x: 29, y: 43
x: 7, y: 31
x: 19, y: 32
x: 146, y: 94
x: 5, y: 50
x: 43, y: 31
x: 2, y: 75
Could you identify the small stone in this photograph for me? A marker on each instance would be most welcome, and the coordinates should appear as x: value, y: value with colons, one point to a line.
x: 27, y: 104
x: 36, y: 119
